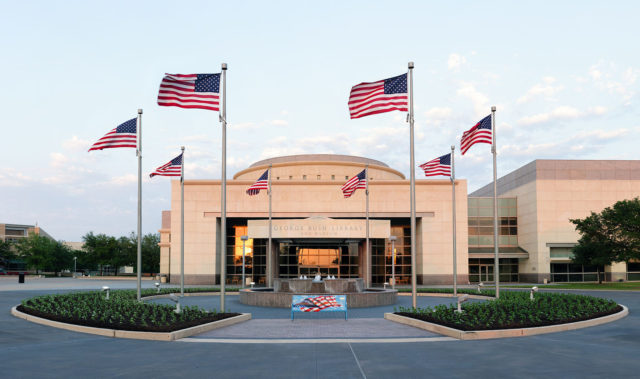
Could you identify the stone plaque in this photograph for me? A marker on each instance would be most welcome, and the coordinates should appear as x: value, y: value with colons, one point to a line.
x: 319, y: 227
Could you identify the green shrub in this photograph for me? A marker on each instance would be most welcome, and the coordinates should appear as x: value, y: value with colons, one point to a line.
x: 516, y: 310
x: 121, y: 311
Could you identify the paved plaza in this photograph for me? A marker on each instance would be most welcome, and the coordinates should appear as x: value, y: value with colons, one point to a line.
x: 318, y: 346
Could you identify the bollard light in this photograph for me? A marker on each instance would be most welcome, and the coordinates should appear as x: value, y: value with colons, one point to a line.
x: 106, y: 289
x: 385, y: 285
x: 480, y: 285
x: 533, y: 289
x: 461, y: 299
x: 157, y: 287
x: 252, y: 284
x: 176, y: 300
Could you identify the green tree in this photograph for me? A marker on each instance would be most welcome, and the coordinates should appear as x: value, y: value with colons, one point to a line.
x: 43, y: 253
x: 151, y: 253
x: 61, y: 258
x: 6, y: 253
x: 100, y: 250
x: 612, y: 235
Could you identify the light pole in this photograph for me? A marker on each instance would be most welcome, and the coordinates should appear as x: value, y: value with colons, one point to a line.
x: 75, y: 259
x: 244, y: 241
x: 393, y: 261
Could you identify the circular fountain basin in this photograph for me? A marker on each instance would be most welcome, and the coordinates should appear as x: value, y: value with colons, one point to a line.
x: 281, y: 295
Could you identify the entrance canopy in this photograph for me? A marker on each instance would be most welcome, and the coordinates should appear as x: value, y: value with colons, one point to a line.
x: 319, y: 227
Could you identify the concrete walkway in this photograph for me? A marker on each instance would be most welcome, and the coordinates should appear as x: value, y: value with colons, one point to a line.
x: 30, y: 350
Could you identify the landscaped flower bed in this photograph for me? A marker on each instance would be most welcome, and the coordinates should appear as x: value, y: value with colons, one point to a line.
x: 122, y: 311
x: 516, y: 310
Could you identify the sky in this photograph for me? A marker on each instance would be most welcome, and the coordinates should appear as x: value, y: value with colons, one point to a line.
x: 564, y: 77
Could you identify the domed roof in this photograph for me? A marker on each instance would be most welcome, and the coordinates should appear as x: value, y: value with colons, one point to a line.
x: 319, y: 158
x: 320, y: 167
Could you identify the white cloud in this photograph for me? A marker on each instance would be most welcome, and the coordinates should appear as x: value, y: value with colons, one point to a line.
x: 58, y: 160
x: 601, y: 135
x: 456, y: 61
x: 479, y: 100
x: 76, y: 144
x: 279, y: 122
x: 438, y: 115
x: 562, y: 113
x: 123, y: 180
x: 546, y: 89
x: 607, y: 76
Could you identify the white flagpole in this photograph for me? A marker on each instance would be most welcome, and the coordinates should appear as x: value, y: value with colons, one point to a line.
x: 139, y: 154
x: 182, y: 225
x: 269, y: 253
x: 414, y: 292
x: 223, y: 190
x: 496, y: 269
x: 453, y: 201
x: 368, y: 246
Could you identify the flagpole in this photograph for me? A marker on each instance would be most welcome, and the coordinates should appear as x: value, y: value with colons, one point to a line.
x: 496, y: 269
x: 139, y: 154
x: 182, y: 225
x: 269, y: 253
x: 453, y: 201
x: 368, y: 252
x: 412, y: 194
x: 223, y: 189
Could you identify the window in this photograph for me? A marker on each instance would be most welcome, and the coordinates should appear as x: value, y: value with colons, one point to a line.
x: 277, y: 178
x: 346, y: 177
x: 290, y: 177
x: 480, y: 221
x: 304, y: 177
x: 317, y: 177
x: 333, y: 177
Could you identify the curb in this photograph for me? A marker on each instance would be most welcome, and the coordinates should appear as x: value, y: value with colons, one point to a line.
x: 439, y: 294
x: 504, y: 333
x: 167, y: 295
x: 152, y: 336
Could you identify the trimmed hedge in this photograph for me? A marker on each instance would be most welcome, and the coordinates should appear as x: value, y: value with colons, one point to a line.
x: 516, y: 310
x: 122, y: 311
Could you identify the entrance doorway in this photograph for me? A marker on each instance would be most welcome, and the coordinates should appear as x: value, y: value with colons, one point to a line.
x: 330, y: 257
x: 325, y: 261
x: 486, y: 273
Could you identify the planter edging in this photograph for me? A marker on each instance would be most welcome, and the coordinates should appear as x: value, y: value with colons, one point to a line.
x: 504, y: 333
x: 153, y: 336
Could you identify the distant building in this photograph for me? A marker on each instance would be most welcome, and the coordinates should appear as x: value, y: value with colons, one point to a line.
x: 16, y: 232
x: 13, y: 233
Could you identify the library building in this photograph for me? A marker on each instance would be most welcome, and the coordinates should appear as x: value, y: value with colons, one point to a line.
x: 315, y: 229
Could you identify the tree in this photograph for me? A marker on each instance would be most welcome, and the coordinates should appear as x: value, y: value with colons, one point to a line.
x: 100, y: 249
x: 43, y: 253
x: 6, y: 253
x: 151, y: 253
x: 612, y: 235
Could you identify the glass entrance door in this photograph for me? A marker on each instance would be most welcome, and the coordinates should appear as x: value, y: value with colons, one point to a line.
x: 486, y: 273
x: 325, y: 261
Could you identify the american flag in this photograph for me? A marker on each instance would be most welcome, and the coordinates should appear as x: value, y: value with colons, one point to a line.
x: 358, y: 181
x: 480, y: 133
x: 173, y: 168
x: 190, y: 91
x: 122, y: 136
x: 318, y: 303
x: 438, y: 166
x: 261, y: 183
x: 379, y: 97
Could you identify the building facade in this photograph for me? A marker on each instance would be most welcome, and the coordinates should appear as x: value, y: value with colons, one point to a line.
x: 315, y: 229
x: 551, y: 192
